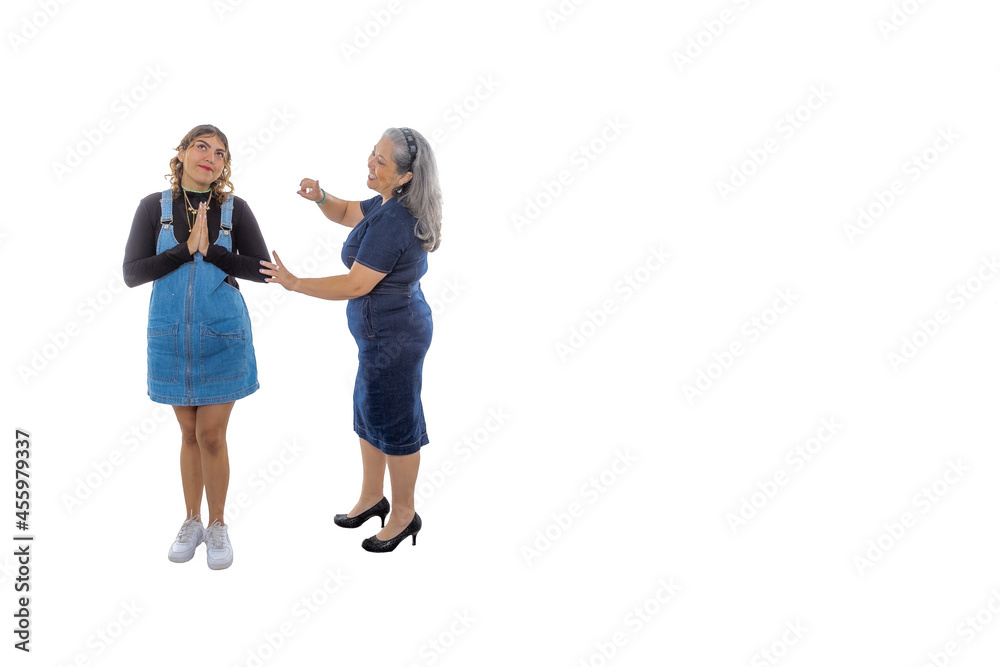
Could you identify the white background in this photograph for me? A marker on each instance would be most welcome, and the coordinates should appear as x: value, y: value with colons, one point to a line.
x: 535, y: 537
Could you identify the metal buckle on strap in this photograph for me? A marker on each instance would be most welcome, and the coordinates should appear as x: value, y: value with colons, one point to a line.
x: 227, y: 215
x: 166, y: 209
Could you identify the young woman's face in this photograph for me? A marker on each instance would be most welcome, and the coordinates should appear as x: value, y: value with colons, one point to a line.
x: 203, y: 162
x: 382, y: 176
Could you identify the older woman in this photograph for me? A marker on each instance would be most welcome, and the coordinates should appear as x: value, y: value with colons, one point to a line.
x: 192, y: 241
x: 386, y: 254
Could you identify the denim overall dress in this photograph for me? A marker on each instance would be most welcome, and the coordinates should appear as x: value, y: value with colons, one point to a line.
x: 199, y: 346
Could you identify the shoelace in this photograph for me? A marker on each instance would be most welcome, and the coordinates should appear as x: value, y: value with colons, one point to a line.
x: 215, y: 536
x: 188, y: 528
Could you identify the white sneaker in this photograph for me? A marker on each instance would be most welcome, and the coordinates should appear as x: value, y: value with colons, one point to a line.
x: 191, y: 534
x: 220, y: 550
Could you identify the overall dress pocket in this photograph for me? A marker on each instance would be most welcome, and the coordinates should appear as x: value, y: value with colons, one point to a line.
x: 162, y: 353
x: 223, y: 354
x: 368, y: 316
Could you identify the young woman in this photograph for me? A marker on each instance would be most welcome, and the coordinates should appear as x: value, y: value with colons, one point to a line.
x: 386, y: 253
x: 192, y: 241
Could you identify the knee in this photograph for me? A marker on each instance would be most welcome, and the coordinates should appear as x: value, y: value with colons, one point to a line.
x: 212, y: 441
x: 189, y: 438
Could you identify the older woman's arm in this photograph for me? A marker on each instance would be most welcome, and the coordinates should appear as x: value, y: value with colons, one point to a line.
x: 357, y: 282
x: 341, y: 211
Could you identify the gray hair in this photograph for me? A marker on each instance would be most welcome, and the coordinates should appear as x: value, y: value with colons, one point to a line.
x: 422, y: 194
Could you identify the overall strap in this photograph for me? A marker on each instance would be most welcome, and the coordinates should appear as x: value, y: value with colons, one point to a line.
x: 166, y: 208
x: 227, y: 214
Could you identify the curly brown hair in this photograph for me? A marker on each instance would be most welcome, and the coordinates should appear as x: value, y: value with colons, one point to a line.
x: 222, y: 185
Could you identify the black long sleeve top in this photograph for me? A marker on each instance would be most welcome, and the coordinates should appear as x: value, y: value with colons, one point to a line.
x: 142, y: 264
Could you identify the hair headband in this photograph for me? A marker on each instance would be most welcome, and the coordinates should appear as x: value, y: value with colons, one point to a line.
x: 411, y: 142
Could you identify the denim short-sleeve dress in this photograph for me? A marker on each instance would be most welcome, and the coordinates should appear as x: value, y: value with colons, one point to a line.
x: 392, y: 327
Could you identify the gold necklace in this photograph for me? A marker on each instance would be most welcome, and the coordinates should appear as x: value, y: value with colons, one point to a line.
x: 190, y: 210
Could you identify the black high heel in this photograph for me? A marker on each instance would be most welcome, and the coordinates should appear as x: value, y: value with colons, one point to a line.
x: 379, y: 509
x: 379, y: 546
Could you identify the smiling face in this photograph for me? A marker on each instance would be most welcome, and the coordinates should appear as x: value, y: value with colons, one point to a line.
x: 382, y: 175
x: 203, y: 162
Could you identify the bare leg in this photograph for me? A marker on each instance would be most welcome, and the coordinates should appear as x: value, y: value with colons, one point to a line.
x: 373, y: 482
x: 212, y: 421
x: 191, y: 478
x: 403, y: 479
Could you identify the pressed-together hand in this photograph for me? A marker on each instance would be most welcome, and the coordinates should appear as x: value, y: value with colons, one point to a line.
x: 279, y: 274
x: 310, y: 190
x: 202, y: 220
x: 198, y: 239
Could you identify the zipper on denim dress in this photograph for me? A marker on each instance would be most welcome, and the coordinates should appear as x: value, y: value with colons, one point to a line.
x: 187, y: 316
